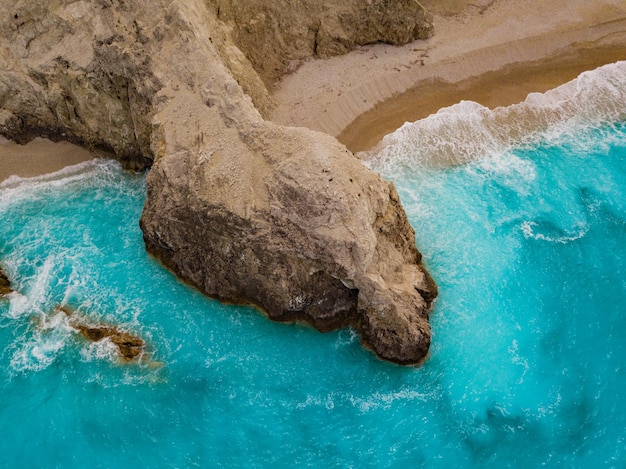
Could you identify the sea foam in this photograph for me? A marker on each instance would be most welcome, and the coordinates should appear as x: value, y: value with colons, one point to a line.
x: 467, y: 131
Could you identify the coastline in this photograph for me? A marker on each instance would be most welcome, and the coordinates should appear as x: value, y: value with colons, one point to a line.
x: 495, y: 54
x: 39, y: 156
x: 505, y: 87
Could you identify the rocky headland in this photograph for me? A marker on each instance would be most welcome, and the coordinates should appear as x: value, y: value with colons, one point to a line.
x: 244, y: 209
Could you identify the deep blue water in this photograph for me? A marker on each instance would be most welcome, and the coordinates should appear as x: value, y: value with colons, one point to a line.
x: 527, y: 368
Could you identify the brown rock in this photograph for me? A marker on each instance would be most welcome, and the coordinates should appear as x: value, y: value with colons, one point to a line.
x: 130, y: 347
x: 292, y: 222
x: 274, y: 34
x: 5, y: 284
x: 247, y: 211
x: 75, y: 71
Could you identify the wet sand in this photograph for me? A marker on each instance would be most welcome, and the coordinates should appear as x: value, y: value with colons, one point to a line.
x: 40, y: 156
x: 502, y: 88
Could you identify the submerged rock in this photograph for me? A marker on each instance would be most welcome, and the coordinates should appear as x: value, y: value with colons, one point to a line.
x: 129, y: 346
x: 5, y: 284
x: 245, y: 210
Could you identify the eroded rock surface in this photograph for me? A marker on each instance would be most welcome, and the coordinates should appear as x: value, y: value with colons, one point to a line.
x: 301, y: 229
x: 129, y: 346
x: 245, y: 210
x: 5, y: 284
x: 274, y: 34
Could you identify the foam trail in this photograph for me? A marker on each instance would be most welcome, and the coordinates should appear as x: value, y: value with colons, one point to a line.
x: 46, y: 338
x: 34, y: 302
x: 467, y: 131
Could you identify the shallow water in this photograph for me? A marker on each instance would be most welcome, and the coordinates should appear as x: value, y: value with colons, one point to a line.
x: 527, y: 367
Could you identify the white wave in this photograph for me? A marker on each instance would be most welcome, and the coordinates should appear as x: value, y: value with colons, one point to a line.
x: 509, y: 164
x: 529, y: 231
x: 468, y: 131
x: 36, y: 355
x: 37, y: 292
x: 385, y: 400
x: 96, y: 172
x: 374, y: 401
x: 38, y: 350
x: 18, y: 305
x: 103, y: 349
x: 72, y: 172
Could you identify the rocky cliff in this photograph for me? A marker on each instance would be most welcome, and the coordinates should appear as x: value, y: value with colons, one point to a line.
x: 274, y: 35
x: 245, y: 210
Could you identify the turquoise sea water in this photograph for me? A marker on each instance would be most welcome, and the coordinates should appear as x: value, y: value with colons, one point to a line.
x: 528, y: 364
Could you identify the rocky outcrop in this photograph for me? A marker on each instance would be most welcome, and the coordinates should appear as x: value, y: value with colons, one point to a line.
x: 77, y: 71
x: 245, y: 210
x: 274, y: 34
x: 85, y: 70
x: 129, y: 347
x: 290, y: 221
x: 5, y: 284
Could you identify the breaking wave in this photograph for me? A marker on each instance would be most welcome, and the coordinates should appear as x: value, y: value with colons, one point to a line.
x: 468, y: 131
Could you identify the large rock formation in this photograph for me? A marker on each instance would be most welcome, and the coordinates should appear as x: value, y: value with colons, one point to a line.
x: 290, y: 221
x: 77, y: 71
x: 245, y: 210
x: 274, y: 34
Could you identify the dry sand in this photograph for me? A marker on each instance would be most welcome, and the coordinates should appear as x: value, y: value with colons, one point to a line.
x: 494, y: 52
x: 40, y: 156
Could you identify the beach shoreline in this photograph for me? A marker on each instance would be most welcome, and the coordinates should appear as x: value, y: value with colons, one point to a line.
x: 510, y: 85
x: 39, y: 156
x: 491, y: 52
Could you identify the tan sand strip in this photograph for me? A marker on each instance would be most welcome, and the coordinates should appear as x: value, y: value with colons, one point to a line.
x: 40, y: 156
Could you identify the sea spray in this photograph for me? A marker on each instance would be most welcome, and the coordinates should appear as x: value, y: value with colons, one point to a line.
x: 468, y: 131
x: 49, y: 271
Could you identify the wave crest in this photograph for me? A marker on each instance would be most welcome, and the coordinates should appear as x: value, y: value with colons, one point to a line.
x: 467, y: 131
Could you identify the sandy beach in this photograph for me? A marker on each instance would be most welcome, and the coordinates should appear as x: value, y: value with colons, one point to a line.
x: 40, y: 156
x: 493, y: 52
